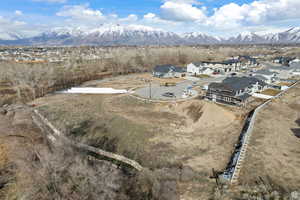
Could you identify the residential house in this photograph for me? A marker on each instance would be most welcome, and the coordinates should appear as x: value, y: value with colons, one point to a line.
x: 168, y: 71
x: 195, y: 68
x: 199, y: 68
x: 270, y: 76
x: 283, y: 60
x: 207, y: 67
x: 234, y: 90
x: 247, y: 62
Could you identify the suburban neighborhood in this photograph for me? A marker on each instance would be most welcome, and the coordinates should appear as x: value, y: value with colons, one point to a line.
x: 237, y: 79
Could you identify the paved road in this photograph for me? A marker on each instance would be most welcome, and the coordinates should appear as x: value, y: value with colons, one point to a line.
x: 156, y: 91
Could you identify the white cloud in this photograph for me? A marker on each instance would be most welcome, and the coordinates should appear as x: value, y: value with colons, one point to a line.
x: 149, y: 16
x: 255, y: 13
x: 181, y: 11
x: 129, y: 18
x: 10, y: 28
x: 5, y: 23
x: 18, y: 13
x: 51, y: 1
x: 152, y: 19
x: 81, y: 12
x: 175, y: 15
x: 195, y: 2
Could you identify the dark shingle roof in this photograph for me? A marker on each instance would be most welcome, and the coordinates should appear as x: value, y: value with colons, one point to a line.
x: 237, y: 83
x: 197, y: 63
x: 167, y: 68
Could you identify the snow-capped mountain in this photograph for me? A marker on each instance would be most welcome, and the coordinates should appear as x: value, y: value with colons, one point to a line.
x: 201, y: 38
x: 106, y: 35
x: 65, y: 31
x: 117, y: 35
x: 290, y: 36
x: 246, y: 38
x: 130, y: 35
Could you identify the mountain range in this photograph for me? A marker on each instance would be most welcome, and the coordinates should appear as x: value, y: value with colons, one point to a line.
x: 117, y: 35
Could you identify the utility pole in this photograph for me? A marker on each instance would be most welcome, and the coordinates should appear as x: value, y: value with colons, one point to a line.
x: 150, y: 95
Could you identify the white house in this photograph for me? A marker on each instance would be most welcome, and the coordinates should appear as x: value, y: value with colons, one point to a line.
x: 194, y: 68
x: 207, y: 71
x: 211, y: 67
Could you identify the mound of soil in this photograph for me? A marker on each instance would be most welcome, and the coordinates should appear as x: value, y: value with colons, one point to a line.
x: 203, y: 115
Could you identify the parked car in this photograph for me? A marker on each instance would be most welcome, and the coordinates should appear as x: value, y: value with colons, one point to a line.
x: 169, y: 94
x: 233, y: 74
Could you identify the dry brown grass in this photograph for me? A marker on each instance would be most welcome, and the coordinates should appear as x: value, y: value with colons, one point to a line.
x: 274, y: 149
x: 270, y: 92
x: 284, y: 84
x: 195, y: 133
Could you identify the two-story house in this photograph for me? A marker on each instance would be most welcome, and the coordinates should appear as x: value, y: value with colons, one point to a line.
x: 234, y: 90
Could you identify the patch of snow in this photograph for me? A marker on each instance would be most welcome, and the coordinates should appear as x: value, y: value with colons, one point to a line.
x: 88, y: 90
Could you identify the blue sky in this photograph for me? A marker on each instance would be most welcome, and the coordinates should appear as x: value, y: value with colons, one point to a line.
x: 217, y: 17
x: 122, y: 7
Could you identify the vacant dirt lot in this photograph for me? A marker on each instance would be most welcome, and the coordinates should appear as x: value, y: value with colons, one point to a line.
x: 131, y: 81
x: 195, y: 134
x: 274, y: 152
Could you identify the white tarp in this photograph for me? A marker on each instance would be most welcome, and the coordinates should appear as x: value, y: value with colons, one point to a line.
x: 87, y: 90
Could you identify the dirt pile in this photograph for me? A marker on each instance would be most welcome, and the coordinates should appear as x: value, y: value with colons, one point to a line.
x: 203, y: 115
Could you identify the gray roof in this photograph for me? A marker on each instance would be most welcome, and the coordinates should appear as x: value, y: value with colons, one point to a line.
x: 226, y: 62
x: 265, y: 72
x: 260, y: 77
x: 197, y: 63
x: 237, y: 83
x: 167, y: 68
